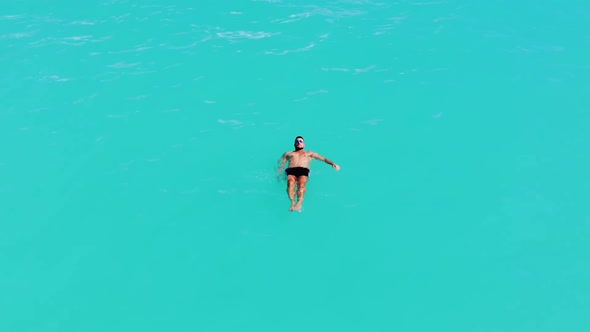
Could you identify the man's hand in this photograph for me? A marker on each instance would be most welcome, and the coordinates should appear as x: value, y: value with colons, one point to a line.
x: 336, y: 167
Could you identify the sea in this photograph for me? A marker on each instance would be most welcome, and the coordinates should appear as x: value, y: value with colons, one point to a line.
x: 139, y: 188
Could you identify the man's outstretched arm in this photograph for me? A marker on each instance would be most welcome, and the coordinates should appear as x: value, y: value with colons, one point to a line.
x: 326, y: 160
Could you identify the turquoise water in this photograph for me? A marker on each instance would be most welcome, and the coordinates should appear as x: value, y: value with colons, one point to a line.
x: 139, y: 140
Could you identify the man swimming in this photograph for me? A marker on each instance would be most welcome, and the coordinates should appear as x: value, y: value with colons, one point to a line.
x: 298, y: 171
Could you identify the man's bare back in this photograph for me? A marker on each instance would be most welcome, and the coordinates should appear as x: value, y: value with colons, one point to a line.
x: 298, y: 170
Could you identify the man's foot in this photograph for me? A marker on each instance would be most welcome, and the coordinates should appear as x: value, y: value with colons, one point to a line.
x: 298, y: 207
x: 293, y: 205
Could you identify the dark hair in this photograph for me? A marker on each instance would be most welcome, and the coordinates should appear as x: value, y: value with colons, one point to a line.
x: 299, y: 137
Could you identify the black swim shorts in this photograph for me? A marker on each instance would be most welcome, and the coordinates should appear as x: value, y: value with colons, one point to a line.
x: 297, y: 171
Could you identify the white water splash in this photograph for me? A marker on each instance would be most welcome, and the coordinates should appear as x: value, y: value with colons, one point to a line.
x: 237, y: 35
x: 303, y: 49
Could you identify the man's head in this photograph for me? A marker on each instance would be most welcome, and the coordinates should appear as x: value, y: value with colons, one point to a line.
x: 299, y: 143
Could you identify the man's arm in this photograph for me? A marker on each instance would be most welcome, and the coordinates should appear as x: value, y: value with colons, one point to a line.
x: 324, y: 159
x: 282, y: 162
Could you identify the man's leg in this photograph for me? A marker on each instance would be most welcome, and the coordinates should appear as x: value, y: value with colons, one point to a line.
x: 291, y: 181
x: 302, y: 181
